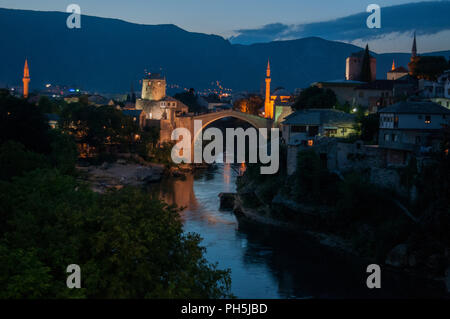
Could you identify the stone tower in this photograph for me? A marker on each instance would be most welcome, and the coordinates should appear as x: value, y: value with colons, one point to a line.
x: 268, y: 108
x: 26, y: 79
x: 153, y: 88
x: 354, y: 66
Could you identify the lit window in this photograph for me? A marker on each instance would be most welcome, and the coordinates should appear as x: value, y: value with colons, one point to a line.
x: 310, y: 142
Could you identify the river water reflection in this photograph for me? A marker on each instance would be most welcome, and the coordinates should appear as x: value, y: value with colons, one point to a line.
x: 267, y: 262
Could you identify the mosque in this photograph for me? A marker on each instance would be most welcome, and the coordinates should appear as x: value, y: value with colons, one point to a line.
x: 277, y: 105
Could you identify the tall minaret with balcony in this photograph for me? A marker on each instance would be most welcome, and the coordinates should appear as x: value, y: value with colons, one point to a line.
x: 414, y: 48
x: 268, y: 109
x: 26, y: 79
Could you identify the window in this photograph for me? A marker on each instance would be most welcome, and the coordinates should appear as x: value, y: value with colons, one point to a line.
x: 313, y: 130
x: 310, y: 142
x: 330, y: 132
x: 396, y: 121
x: 417, y: 139
x: 387, y: 137
x: 298, y: 129
x: 420, y: 117
x: 395, y: 137
x: 427, y: 119
x: 361, y: 94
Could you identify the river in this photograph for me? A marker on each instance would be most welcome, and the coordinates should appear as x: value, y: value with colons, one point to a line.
x: 267, y: 262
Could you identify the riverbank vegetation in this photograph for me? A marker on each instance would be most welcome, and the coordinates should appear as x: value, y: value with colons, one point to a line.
x: 127, y: 243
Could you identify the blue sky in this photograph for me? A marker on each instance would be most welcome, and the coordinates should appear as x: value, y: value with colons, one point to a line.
x: 221, y: 17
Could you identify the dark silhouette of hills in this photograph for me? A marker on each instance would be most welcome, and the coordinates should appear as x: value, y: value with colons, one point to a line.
x: 106, y: 55
x: 426, y: 17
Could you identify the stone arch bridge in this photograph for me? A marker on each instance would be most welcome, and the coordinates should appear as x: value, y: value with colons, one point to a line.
x: 167, y: 126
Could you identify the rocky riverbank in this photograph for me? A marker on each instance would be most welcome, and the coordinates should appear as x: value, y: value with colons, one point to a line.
x: 401, y: 258
x: 263, y: 216
x: 119, y: 174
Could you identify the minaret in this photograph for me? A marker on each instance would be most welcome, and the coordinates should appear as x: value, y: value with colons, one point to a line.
x: 268, y: 111
x: 393, y: 65
x: 26, y: 79
x: 414, y: 47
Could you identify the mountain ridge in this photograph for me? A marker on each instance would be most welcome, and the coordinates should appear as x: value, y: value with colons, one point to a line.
x: 108, y: 55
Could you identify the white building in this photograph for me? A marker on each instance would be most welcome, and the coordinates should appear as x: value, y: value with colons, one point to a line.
x: 411, y: 127
x: 302, y: 127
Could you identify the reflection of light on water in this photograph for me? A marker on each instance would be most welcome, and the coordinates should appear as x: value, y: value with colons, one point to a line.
x: 226, y: 173
x: 242, y: 169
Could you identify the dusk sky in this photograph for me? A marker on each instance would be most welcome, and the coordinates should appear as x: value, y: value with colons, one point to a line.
x: 221, y: 17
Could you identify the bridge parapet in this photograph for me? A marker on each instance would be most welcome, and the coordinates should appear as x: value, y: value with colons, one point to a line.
x: 208, y: 118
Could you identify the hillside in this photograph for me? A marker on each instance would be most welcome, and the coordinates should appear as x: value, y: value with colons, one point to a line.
x: 107, y: 55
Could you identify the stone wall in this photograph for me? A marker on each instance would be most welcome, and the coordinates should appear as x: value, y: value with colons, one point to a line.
x: 292, y: 151
x: 346, y: 157
x: 153, y: 89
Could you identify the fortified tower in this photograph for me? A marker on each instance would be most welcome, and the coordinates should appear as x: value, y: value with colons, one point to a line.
x: 154, y: 88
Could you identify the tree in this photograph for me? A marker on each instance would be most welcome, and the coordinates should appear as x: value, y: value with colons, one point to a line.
x: 22, y: 122
x: 99, y: 127
x: 213, y: 98
x: 64, y: 153
x: 45, y: 105
x: 308, y: 173
x: 428, y: 67
x: 128, y: 244
x: 369, y: 126
x: 315, y: 97
x: 190, y: 99
x: 15, y: 160
x: 366, y: 73
x: 250, y: 105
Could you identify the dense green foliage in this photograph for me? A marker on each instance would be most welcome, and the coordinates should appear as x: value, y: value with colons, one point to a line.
x: 190, y: 99
x: 21, y: 122
x: 314, y: 97
x: 98, y: 126
x: 127, y: 243
x: 367, y: 127
x: 428, y: 67
x: 366, y: 72
x: 251, y: 104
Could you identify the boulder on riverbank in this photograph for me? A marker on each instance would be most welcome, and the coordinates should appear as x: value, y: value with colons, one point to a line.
x: 227, y: 201
x: 120, y: 174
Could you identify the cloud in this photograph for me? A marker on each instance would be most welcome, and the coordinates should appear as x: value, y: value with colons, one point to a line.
x: 427, y: 18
